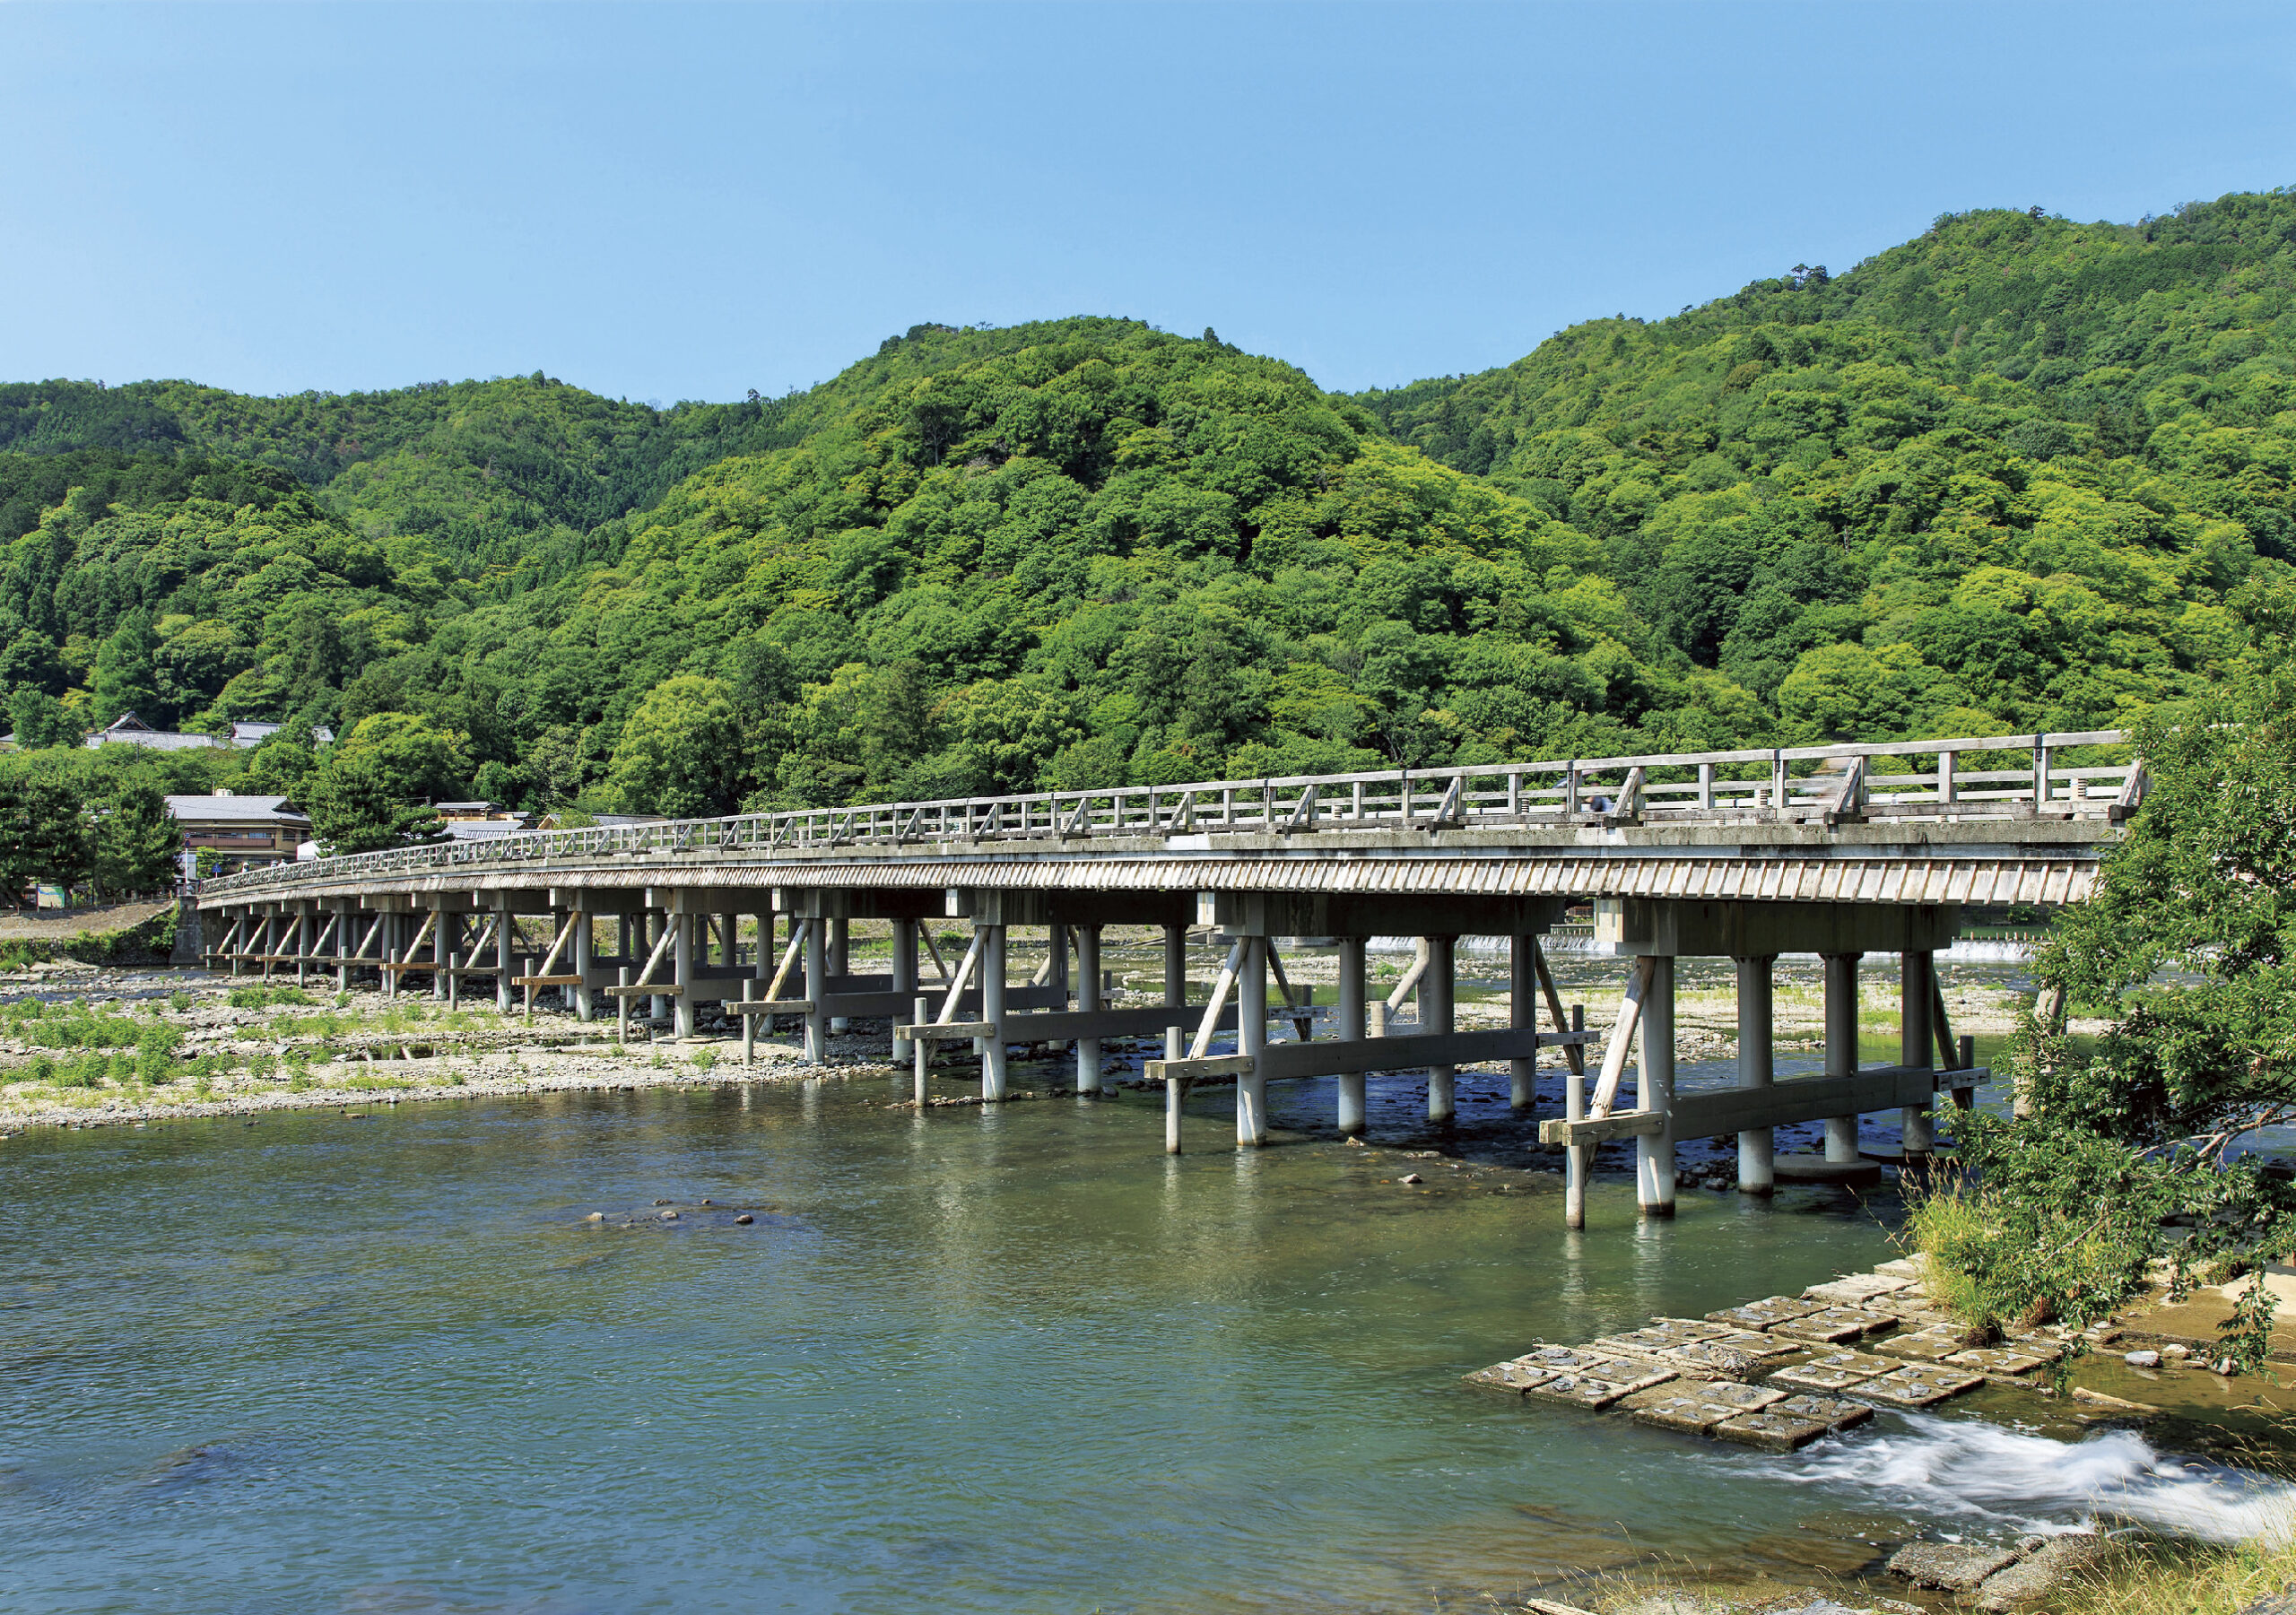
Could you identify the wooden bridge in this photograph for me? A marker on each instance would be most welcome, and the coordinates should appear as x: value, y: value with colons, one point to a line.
x: 1834, y: 850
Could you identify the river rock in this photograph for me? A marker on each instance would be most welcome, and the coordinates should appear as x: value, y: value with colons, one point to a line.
x: 1410, y: 1177
x: 2042, y: 1572
x: 1949, y: 1567
x: 2142, y: 1359
x: 2176, y: 1353
x: 745, y: 1218
x: 2275, y: 1604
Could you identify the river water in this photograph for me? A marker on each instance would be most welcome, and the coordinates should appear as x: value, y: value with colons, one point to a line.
x: 1014, y: 1359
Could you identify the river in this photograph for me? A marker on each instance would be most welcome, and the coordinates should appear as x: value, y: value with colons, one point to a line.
x: 1004, y: 1359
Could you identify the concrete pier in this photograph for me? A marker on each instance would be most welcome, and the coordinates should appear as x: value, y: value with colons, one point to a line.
x: 1756, y: 1019
x: 1437, y: 986
x: 1841, y: 1048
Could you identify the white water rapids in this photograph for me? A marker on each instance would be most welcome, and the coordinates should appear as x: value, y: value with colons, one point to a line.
x: 1951, y: 1468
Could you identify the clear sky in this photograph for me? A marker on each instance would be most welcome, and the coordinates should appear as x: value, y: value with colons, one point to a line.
x: 662, y: 202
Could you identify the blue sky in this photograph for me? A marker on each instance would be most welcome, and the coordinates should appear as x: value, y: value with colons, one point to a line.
x: 665, y: 201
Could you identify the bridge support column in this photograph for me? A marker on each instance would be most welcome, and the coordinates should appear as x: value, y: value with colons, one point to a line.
x: 1436, y: 987
x: 303, y: 948
x: 1917, y: 1046
x: 904, y: 975
x: 442, y: 951
x: 1522, y: 1015
x: 1757, y: 1172
x: 1088, y: 1000
x: 584, y: 947
x: 658, y: 1005
x: 1174, y: 965
x: 992, y: 1012
x: 682, y: 967
x: 816, y: 989
x: 506, y: 957
x: 1351, y: 1084
x: 345, y: 938
x: 1175, y: 1089
x: 840, y: 959
x: 1654, y: 1154
x: 1251, y: 1038
x: 1841, y: 1046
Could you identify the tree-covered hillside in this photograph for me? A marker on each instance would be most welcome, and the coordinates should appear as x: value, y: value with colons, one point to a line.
x: 2018, y: 473
x: 2014, y: 465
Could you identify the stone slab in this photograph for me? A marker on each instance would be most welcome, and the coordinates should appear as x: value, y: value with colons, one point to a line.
x: 1744, y: 1398
x: 1905, y: 1306
x: 1816, y: 1377
x: 1854, y: 1287
x: 1995, y: 1362
x: 1925, y: 1345
x: 1912, y: 1267
x: 1672, y: 1408
x: 2042, y: 1571
x: 1771, y: 1431
x: 1836, y: 1413
x: 1917, y: 1386
x: 1728, y: 1359
x: 1760, y: 1315
x: 1509, y: 1377
x: 1565, y: 1359
x: 2037, y: 1345
x: 1594, y: 1391
x: 1949, y: 1567
x: 1831, y: 1326
x: 1696, y: 1329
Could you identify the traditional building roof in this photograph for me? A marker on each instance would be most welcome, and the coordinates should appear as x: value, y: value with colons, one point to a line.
x: 127, y: 729
x: 236, y: 810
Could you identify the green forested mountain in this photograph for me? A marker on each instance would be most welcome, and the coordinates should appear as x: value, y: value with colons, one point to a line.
x: 2020, y: 473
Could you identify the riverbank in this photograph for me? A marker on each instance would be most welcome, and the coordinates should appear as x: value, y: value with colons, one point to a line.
x: 85, y: 1045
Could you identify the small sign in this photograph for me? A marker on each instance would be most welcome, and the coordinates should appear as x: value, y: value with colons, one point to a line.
x: 51, y: 894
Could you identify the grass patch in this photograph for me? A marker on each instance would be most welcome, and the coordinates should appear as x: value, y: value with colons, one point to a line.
x: 366, y: 1083
x: 257, y: 996
x: 2192, y: 1580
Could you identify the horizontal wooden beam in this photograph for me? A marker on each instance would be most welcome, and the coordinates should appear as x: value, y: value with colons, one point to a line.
x: 1781, y: 1104
x: 1334, y: 1058
x: 1205, y: 1066
x: 541, y: 981
x: 1285, y: 1060
x: 1060, y: 1025
x: 769, y: 1006
x: 946, y: 1031
x: 1602, y: 1130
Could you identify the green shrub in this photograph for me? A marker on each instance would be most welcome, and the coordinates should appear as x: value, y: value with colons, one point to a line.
x: 257, y: 996
x: 1990, y: 1253
x: 179, y: 1002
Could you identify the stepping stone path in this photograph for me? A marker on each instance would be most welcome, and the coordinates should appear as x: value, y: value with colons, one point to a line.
x: 1784, y: 1371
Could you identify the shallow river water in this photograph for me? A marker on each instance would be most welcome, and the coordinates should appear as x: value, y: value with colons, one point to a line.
x: 1005, y: 1360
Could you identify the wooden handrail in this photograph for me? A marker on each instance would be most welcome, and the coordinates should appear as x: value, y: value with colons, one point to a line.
x: 1451, y: 798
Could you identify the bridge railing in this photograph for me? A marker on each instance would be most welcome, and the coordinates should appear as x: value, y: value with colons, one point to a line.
x: 1961, y: 779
